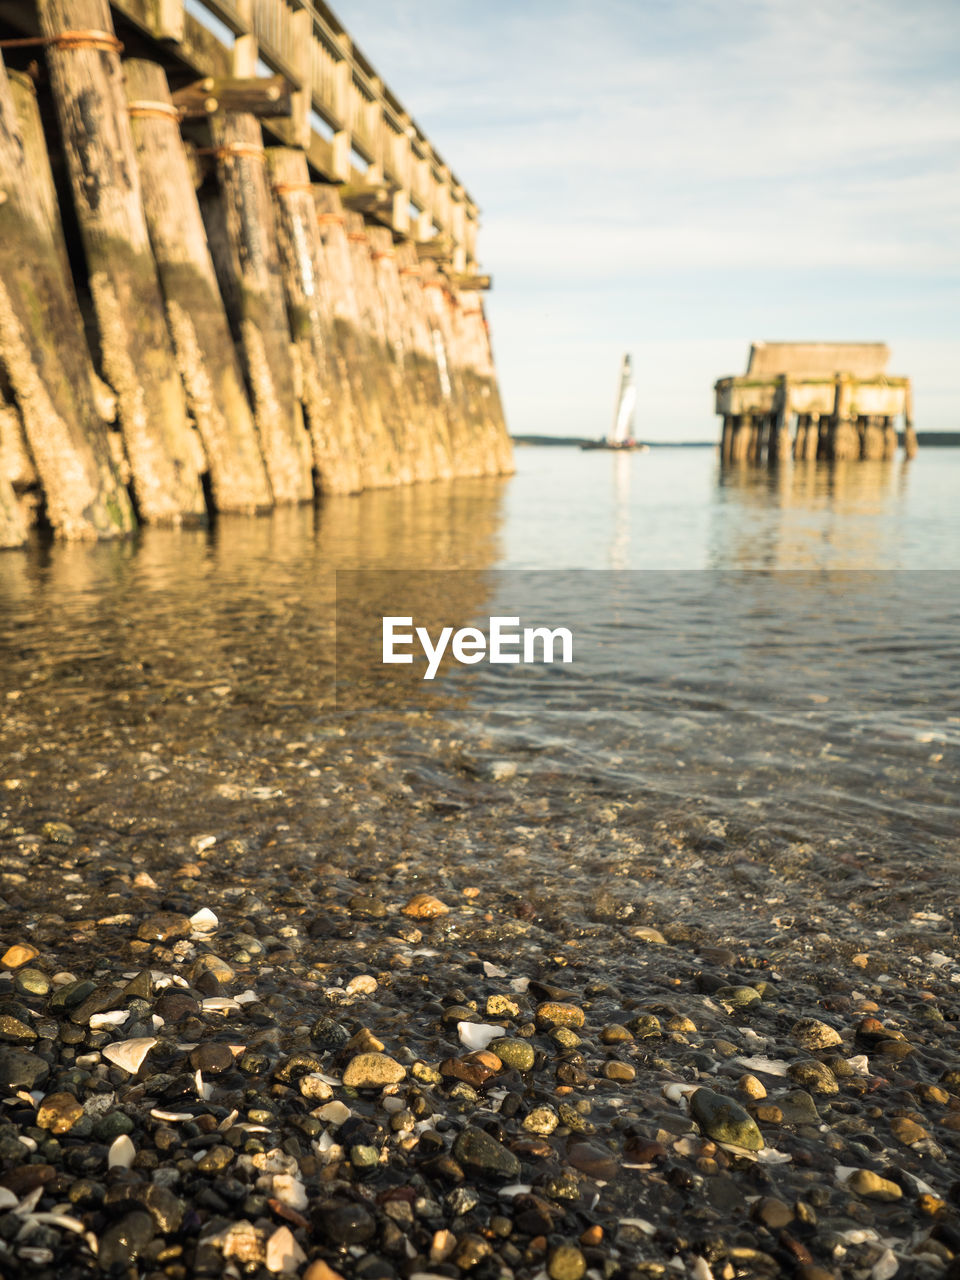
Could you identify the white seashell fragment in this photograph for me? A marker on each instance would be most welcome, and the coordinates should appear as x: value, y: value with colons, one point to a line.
x: 859, y: 1064
x: 493, y: 970
x: 245, y: 997
x: 290, y: 1191
x: 172, y: 1116
x: 202, y: 843
x: 59, y: 1220
x: 519, y: 985
x: 477, y: 1035
x: 219, y: 1004
x: 768, y: 1066
x: 768, y: 1155
x: 113, y: 1018
x: 227, y: 1122
x: 122, y: 1152
x: 515, y: 1189
x: 30, y: 1253
x: 129, y: 1054
x: 29, y: 1202
x: 642, y: 1224
x: 283, y: 1252
x: 701, y: 1269
x: 205, y: 920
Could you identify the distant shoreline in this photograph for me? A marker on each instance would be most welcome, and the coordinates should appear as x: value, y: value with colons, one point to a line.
x: 936, y: 439
x: 582, y: 440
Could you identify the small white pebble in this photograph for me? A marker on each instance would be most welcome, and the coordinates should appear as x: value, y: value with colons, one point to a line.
x: 121, y: 1153
x: 283, y: 1252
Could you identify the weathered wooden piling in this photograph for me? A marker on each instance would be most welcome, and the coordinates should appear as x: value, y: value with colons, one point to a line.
x: 476, y: 361
x: 238, y: 215
x: 780, y: 440
x: 726, y: 437
x: 374, y: 457
x: 42, y: 344
x: 424, y: 443
x: 871, y: 437
x: 909, y: 434
x: 325, y: 392
x: 382, y: 373
x: 844, y: 437
x: 420, y: 360
x: 83, y: 56
x: 13, y: 463
x: 443, y: 323
x: 202, y: 342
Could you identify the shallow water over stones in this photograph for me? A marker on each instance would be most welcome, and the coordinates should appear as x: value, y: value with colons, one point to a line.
x: 201, y: 853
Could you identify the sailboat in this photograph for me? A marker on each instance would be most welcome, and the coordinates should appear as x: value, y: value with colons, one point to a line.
x: 621, y: 436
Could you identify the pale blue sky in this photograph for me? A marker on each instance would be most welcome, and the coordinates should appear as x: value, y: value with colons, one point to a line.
x: 678, y: 178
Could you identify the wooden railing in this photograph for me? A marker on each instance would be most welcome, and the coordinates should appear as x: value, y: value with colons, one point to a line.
x: 304, y: 41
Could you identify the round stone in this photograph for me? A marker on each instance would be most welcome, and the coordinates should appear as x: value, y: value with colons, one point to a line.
x: 58, y: 1112
x: 477, y: 1150
x: 518, y: 1054
x: 812, y: 1034
x: 212, y: 1057
x: 373, y: 1071
x: 724, y: 1120
x: 813, y: 1075
x: 622, y: 1071
x: 867, y: 1183
x: 554, y: 1013
x: 542, y: 1120
x: 164, y: 926
x: 566, y: 1262
x: 344, y: 1223
x: 21, y: 1069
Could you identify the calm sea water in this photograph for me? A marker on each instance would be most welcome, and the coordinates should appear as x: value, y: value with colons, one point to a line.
x: 769, y: 650
x: 676, y: 508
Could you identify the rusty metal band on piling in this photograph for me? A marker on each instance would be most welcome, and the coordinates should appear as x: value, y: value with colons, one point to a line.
x: 154, y: 111
x: 67, y: 40
x: 249, y: 149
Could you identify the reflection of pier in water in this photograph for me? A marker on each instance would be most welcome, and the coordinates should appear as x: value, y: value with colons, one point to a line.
x: 798, y: 517
x: 247, y: 600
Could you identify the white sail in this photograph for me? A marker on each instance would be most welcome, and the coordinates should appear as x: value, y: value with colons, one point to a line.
x: 626, y: 406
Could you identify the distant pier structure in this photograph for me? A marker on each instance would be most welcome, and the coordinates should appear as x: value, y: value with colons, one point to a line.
x: 234, y: 271
x: 830, y: 400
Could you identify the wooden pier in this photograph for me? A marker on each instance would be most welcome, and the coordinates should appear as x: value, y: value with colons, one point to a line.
x: 809, y: 400
x: 234, y: 272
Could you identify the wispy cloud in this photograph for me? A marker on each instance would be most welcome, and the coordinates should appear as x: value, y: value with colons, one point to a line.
x: 617, y: 145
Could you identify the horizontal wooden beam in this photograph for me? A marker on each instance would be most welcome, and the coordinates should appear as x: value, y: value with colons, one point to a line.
x: 266, y: 97
x: 439, y: 249
x: 470, y: 283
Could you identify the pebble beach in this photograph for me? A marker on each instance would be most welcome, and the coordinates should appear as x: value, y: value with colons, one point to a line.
x: 375, y: 988
x: 366, y: 1035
